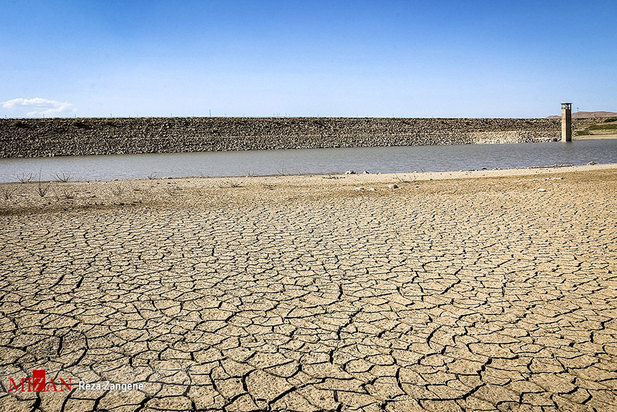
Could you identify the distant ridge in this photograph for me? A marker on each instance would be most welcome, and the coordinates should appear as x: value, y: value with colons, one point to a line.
x: 588, y: 115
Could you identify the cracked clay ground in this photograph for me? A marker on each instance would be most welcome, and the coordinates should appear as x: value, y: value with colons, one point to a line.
x: 473, y: 294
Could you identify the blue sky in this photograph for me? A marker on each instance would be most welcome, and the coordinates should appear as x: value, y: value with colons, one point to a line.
x: 306, y: 58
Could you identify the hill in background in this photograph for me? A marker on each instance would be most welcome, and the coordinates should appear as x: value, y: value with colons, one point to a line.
x: 588, y: 115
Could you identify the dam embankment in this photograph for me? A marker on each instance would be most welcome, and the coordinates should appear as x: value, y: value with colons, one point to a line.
x: 96, y: 136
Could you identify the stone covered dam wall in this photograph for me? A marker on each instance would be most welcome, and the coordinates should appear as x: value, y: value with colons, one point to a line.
x: 91, y: 136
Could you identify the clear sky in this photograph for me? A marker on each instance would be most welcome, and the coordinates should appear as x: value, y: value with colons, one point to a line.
x: 306, y: 58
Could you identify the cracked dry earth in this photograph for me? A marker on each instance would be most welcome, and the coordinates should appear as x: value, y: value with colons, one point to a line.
x: 480, y: 294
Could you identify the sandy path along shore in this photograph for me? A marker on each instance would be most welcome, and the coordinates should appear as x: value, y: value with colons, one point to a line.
x: 65, y: 196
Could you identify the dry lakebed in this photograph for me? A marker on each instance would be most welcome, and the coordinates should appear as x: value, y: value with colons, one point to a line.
x: 488, y: 290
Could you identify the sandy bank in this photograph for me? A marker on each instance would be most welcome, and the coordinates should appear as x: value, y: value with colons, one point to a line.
x: 186, y: 192
x: 595, y: 137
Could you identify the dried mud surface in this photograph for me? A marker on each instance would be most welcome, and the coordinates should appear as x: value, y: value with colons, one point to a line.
x: 314, y: 293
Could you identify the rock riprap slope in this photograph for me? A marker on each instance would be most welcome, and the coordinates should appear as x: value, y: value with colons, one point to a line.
x: 67, y: 137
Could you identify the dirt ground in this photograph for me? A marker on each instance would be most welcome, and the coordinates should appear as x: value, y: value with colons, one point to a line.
x: 487, y: 290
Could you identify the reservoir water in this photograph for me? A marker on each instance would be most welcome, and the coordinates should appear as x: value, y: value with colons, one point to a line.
x: 311, y: 161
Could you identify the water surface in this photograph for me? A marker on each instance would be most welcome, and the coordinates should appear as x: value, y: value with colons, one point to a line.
x: 311, y: 161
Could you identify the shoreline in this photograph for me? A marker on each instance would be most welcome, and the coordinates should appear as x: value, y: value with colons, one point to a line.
x: 595, y: 137
x: 55, y: 196
x: 443, y: 175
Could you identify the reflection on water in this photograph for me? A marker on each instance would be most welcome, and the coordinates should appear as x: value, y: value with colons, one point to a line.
x: 312, y: 161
